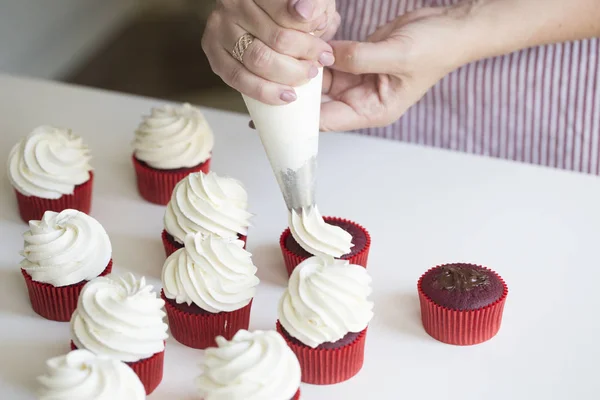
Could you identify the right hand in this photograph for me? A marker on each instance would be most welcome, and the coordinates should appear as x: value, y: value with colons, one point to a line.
x: 283, y: 54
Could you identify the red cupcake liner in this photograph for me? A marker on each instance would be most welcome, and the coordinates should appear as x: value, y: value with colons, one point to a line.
x: 328, y: 366
x: 296, y: 396
x: 292, y: 259
x: 200, y: 330
x: 156, y: 185
x: 149, y: 370
x: 461, y: 327
x: 171, y: 246
x: 33, y: 208
x: 55, y: 303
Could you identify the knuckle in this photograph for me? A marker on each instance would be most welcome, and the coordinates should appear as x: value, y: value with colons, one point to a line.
x: 234, y: 76
x: 261, y: 56
x: 282, y: 39
x: 261, y: 91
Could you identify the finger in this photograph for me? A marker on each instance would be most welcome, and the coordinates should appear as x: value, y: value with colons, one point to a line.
x: 290, y: 42
x: 332, y: 27
x: 270, y: 65
x: 309, y: 10
x: 364, y: 57
x: 337, y: 116
x: 236, y: 75
x: 327, y: 81
x: 285, y: 14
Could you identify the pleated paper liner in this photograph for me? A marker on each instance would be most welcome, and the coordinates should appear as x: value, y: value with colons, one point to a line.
x: 328, y: 366
x: 33, y: 208
x: 461, y: 327
x: 149, y: 370
x: 292, y: 259
x: 156, y: 185
x: 55, y: 303
x: 171, y: 246
x: 200, y: 330
x: 296, y: 396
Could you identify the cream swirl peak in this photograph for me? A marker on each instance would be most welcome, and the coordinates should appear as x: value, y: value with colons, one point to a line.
x: 65, y: 248
x: 120, y: 317
x: 251, y: 366
x: 49, y: 163
x: 82, y: 375
x: 207, y: 203
x: 214, y: 273
x: 325, y: 300
x: 316, y: 236
x: 173, y: 137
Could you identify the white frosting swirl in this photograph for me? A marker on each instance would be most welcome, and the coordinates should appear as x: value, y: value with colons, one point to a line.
x: 316, y: 236
x: 82, y: 375
x: 207, y: 203
x: 252, y: 366
x: 65, y: 248
x: 120, y: 317
x: 216, y: 274
x: 173, y: 137
x: 325, y: 300
x: 49, y: 163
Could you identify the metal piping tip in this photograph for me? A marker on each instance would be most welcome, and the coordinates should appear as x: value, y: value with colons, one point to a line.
x: 298, y: 186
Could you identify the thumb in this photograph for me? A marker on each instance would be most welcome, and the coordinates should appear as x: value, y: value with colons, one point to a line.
x: 365, y: 57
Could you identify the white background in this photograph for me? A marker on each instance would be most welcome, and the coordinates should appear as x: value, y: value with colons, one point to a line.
x: 538, y: 228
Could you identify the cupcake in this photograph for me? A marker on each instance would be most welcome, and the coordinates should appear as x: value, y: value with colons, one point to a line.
x: 323, y: 316
x: 251, y: 366
x: 310, y: 234
x: 121, y: 317
x: 50, y: 170
x: 82, y: 375
x: 61, y: 253
x: 208, y: 287
x: 461, y: 304
x: 169, y: 144
x: 206, y: 203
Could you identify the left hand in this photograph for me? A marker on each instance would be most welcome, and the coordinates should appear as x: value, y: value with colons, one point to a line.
x: 373, y: 83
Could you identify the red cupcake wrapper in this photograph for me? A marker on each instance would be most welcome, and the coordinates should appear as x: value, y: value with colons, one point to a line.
x: 461, y: 327
x: 156, y: 185
x: 171, y: 246
x: 55, y: 303
x: 33, y: 208
x: 149, y: 370
x: 200, y: 330
x: 292, y: 259
x: 297, y: 395
x: 328, y: 366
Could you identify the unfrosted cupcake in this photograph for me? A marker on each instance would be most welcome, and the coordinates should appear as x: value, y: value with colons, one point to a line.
x: 49, y: 170
x: 310, y: 234
x: 122, y: 318
x: 82, y: 375
x: 206, y: 203
x: 462, y: 304
x: 208, y: 287
x: 251, y: 366
x: 323, y: 316
x: 61, y: 253
x: 170, y: 143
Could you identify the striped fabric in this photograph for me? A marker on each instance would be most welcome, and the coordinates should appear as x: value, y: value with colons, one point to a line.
x: 540, y: 105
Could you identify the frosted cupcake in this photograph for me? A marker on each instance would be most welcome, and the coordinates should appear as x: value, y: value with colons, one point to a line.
x: 82, y: 375
x: 323, y: 316
x: 208, y: 287
x: 122, y: 318
x: 49, y: 170
x: 209, y: 204
x: 251, y: 366
x: 61, y: 253
x: 170, y: 143
x: 310, y: 234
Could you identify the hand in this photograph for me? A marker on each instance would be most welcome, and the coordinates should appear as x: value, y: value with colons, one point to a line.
x: 283, y: 54
x: 373, y: 83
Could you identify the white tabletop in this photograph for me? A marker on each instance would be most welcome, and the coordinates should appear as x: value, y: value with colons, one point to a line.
x: 538, y: 228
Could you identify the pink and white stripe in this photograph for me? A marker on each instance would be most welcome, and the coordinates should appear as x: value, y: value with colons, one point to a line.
x: 540, y: 105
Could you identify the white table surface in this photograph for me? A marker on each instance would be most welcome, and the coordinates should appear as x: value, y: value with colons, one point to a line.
x: 539, y: 228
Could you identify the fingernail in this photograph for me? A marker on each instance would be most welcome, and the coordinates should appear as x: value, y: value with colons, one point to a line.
x: 288, y: 96
x: 251, y: 125
x: 304, y: 8
x: 312, y: 72
x: 326, y: 59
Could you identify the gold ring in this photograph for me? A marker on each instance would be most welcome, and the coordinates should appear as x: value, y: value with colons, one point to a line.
x: 241, y: 45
